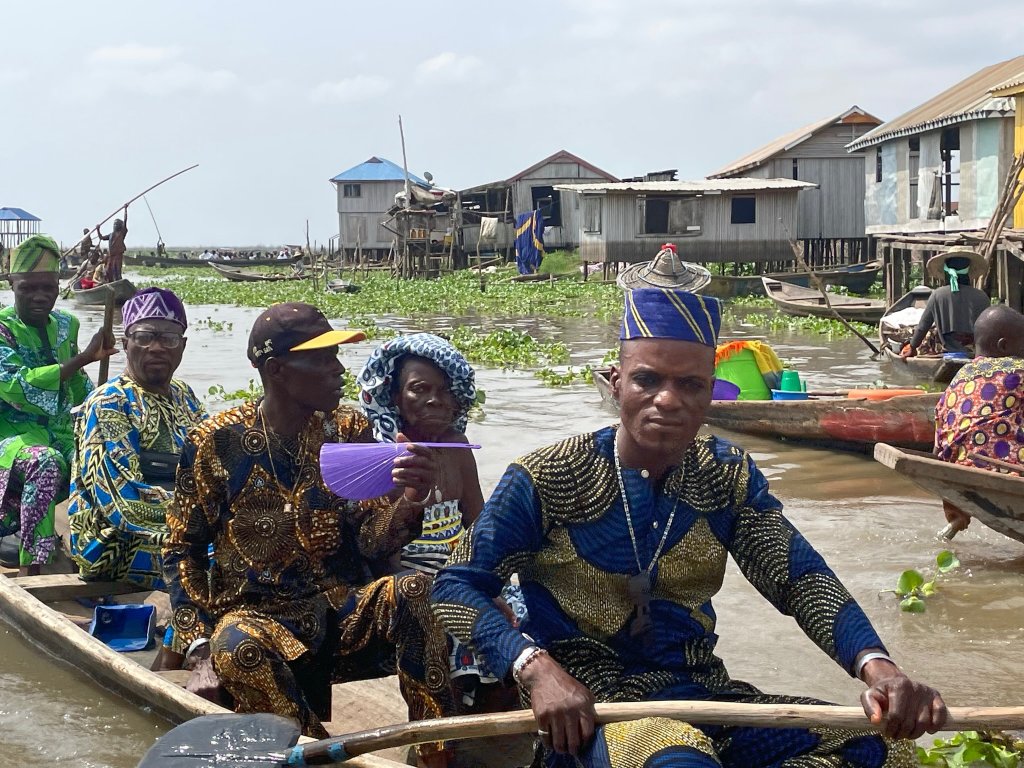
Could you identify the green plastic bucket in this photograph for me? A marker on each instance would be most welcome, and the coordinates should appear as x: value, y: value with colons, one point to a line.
x: 741, y: 369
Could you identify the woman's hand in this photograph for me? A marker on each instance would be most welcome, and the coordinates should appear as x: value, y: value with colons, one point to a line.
x: 417, y: 472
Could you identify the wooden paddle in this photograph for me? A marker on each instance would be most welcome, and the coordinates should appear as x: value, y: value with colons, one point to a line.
x: 267, y: 741
x: 1015, y: 468
x: 108, y: 330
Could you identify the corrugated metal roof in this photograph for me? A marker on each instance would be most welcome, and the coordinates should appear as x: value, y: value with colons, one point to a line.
x: 1010, y: 87
x: 562, y: 156
x: 970, y: 99
x: 787, y: 142
x: 704, y: 186
x: 17, y: 214
x: 377, y: 169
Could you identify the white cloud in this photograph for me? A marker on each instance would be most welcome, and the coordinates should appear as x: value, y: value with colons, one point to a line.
x: 448, y: 67
x: 134, y: 53
x: 12, y: 76
x: 355, y: 88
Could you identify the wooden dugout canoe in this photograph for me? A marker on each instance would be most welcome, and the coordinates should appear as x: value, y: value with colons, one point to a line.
x: 169, y: 262
x: 123, y: 290
x: 937, y: 368
x: 808, y: 302
x: 832, y: 422
x: 34, y: 606
x: 994, y: 498
x: 236, y: 275
x: 857, y: 278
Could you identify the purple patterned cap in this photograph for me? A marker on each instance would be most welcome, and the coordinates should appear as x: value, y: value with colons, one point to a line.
x: 154, y: 304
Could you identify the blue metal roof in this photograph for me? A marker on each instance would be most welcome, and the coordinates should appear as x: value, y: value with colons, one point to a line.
x: 17, y: 214
x: 378, y: 169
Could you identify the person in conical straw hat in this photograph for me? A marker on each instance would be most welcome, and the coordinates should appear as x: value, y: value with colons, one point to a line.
x: 620, y: 538
x: 41, y: 380
x: 666, y: 270
x: 953, y: 308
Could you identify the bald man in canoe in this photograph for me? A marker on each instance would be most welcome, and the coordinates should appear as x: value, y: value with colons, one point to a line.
x: 620, y: 538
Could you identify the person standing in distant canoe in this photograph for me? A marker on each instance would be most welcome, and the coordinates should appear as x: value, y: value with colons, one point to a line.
x: 116, y: 249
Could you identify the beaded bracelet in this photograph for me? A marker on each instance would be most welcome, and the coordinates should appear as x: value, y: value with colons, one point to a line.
x: 517, y: 674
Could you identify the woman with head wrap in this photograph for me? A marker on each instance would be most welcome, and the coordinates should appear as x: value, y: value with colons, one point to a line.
x: 41, y: 380
x: 421, y: 388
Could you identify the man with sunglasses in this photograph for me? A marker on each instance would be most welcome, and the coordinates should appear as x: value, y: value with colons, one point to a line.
x: 289, y: 606
x: 129, y: 435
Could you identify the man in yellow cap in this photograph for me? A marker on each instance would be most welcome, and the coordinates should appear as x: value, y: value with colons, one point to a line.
x: 288, y: 605
x: 41, y: 380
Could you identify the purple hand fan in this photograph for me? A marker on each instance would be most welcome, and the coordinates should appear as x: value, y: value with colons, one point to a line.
x: 361, y: 471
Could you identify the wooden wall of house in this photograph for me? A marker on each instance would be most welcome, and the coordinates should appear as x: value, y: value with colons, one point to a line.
x: 567, y: 235
x: 359, y: 217
x: 836, y: 208
x: 893, y: 206
x: 719, y: 240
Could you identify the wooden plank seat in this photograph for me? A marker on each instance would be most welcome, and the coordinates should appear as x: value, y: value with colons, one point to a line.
x: 49, y: 588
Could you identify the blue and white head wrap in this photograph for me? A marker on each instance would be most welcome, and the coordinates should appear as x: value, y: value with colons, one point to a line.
x: 377, y: 377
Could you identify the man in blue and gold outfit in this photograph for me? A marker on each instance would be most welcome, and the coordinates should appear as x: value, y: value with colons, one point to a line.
x: 620, y: 539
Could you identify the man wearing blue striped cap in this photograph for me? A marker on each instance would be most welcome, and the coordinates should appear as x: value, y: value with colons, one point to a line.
x: 620, y: 538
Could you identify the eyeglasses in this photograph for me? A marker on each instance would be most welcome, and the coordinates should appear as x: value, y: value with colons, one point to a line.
x: 145, y: 339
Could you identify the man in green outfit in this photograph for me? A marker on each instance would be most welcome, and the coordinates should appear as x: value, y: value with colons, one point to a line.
x: 41, y: 380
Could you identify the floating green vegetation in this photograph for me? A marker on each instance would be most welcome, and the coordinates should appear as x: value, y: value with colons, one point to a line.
x: 753, y: 300
x: 455, y: 294
x: 970, y: 748
x: 217, y: 326
x: 820, y: 325
x: 912, y: 589
x: 555, y: 378
x: 507, y: 348
x: 253, y: 391
x: 561, y: 263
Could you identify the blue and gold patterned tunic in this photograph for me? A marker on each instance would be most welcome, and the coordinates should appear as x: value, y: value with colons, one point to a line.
x: 557, y: 518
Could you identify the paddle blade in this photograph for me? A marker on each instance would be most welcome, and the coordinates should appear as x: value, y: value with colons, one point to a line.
x: 225, y: 741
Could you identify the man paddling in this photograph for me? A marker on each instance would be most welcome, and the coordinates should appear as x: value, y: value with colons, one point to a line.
x: 116, y: 249
x: 41, y: 380
x: 953, y: 308
x: 287, y: 606
x: 620, y: 539
x: 981, y: 413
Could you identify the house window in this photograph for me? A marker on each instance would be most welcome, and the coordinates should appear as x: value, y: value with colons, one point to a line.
x: 949, y: 152
x: 913, y: 169
x: 744, y: 210
x: 592, y: 214
x: 352, y: 190
x: 878, y: 165
x: 549, y: 202
x: 670, y: 216
x: 796, y: 169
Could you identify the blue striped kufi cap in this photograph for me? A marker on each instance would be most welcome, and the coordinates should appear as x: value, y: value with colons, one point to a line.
x: 669, y: 313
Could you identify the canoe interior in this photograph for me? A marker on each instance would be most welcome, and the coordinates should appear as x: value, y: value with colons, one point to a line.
x: 44, y: 609
x: 803, y: 302
x: 123, y: 290
x: 236, y: 274
x: 857, y: 278
x: 921, y: 367
x: 994, y: 498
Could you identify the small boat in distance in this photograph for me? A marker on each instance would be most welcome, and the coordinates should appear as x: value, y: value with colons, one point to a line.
x: 237, y: 275
x: 122, y: 289
x: 996, y: 499
x: 856, y: 278
x: 895, y: 329
x: 808, y: 302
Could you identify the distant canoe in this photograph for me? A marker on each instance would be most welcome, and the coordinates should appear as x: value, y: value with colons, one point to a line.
x: 995, y: 498
x: 856, y: 278
x: 170, y: 262
x: 122, y: 289
x: 832, y: 422
x: 808, y: 302
x: 343, y: 286
x: 938, y: 368
x: 236, y: 275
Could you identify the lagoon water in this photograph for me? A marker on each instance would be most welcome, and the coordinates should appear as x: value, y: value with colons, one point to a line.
x: 869, y: 524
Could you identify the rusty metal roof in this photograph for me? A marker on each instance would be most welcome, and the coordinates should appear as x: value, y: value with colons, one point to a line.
x: 701, y: 187
x: 970, y: 99
x: 790, y: 140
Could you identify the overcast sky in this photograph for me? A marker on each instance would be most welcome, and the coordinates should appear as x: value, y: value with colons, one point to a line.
x: 102, y: 98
